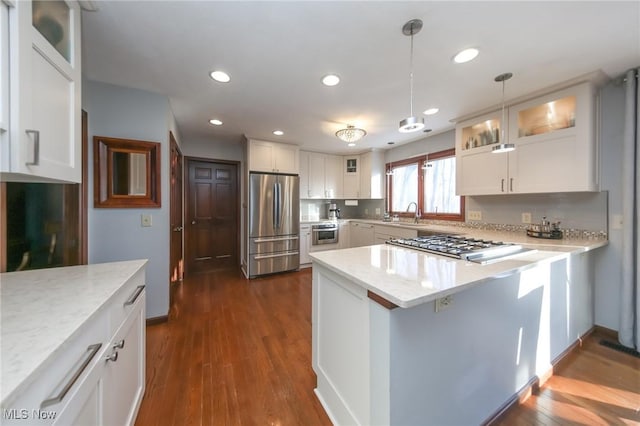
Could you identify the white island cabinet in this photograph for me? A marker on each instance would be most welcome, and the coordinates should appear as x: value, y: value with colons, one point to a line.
x: 73, y: 345
x: 41, y: 140
x: 383, y: 355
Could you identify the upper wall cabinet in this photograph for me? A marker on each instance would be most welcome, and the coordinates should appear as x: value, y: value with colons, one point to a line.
x: 555, y: 147
x: 43, y: 138
x: 272, y: 157
x: 320, y: 175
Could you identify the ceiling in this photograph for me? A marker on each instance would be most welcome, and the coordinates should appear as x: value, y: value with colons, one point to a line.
x: 277, y: 52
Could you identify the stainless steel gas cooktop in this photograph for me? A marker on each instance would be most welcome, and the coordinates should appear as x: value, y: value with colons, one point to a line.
x: 471, y: 249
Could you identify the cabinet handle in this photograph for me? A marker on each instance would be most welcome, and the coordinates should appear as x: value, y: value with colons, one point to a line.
x: 36, y: 147
x: 118, y: 345
x: 132, y: 299
x: 92, y: 350
x: 113, y: 357
x: 511, y: 185
x: 502, y: 186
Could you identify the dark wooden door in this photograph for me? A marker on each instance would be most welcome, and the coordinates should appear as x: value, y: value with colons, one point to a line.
x: 176, y: 209
x: 212, y: 216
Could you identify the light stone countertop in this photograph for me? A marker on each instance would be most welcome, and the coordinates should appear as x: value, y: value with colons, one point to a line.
x: 42, y: 309
x: 409, y: 277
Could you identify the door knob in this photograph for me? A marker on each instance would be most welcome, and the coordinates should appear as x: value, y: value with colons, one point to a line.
x: 193, y: 222
x: 177, y: 228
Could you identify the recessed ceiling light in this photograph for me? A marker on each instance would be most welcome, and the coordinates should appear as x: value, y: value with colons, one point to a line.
x: 215, y: 122
x: 330, y: 80
x: 465, y: 56
x: 431, y: 111
x: 278, y: 132
x: 220, y: 76
x: 351, y: 144
x: 390, y: 143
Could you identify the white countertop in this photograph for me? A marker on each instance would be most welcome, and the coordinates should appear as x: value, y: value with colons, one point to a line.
x: 409, y: 277
x: 40, y: 310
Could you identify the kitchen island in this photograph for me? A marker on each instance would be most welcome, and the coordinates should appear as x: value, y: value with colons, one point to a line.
x: 73, y: 344
x: 384, y: 355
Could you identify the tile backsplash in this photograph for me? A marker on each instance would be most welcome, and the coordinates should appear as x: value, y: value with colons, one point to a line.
x: 311, y: 210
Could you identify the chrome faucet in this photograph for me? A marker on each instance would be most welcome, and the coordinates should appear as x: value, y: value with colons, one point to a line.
x: 417, y: 216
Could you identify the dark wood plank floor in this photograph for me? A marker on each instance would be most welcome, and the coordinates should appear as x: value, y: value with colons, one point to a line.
x: 234, y: 352
x: 238, y: 352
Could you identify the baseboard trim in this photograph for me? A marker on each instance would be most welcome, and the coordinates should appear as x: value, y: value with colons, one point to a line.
x: 533, y: 386
x: 157, y: 320
x: 611, y: 334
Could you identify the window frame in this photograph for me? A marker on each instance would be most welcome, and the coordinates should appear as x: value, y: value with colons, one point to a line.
x: 419, y: 160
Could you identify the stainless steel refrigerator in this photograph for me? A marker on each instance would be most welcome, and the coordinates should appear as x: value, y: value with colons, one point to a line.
x: 274, y: 223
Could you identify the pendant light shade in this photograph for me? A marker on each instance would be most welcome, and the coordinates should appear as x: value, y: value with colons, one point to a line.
x: 412, y: 123
x: 350, y: 134
x: 503, y: 146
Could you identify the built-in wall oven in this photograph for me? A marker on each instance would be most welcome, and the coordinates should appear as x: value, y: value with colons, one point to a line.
x: 324, y: 233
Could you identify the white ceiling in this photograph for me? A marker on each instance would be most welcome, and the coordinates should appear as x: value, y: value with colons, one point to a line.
x: 277, y: 52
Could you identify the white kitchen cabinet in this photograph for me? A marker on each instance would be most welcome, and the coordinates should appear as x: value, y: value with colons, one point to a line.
x: 383, y: 233
x: 96, y: 375
x: 43, y: 139
x: 361, y: 234
x: 305, y: 244
x: 272, y: 157
x: 344, y: 236
x: 320, y: 175
x: 372, y: 175
x: 351, y: 176
x: 556, y: 147
x: 123, y: 379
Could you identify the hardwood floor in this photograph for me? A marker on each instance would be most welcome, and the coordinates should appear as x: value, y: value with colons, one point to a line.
x: 238, y: 352
x: 594, y: 385
x: 233, y: 352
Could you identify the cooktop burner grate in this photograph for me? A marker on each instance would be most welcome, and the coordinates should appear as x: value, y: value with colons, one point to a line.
x: 471, y: 249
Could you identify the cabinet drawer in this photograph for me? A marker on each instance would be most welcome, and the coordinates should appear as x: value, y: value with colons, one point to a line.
x: 66, y: 380
x: 124, y: 300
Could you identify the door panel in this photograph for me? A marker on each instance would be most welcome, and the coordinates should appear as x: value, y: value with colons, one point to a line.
x: 212, y: 237
x: 176, y: 208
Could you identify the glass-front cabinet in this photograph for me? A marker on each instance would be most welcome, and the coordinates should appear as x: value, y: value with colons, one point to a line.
x: 45, y: 92
x: 555, y: 146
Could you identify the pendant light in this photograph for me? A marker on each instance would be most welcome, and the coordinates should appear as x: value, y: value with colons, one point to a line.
x: 503, y: 146
x: 412, y: 123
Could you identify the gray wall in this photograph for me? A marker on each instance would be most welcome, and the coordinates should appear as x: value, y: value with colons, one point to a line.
x: 117, y: 234
x: 435, y: 143
x: 213, y: 150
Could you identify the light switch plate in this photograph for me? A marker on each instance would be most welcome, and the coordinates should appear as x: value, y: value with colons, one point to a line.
x: 526, y: 217
x: 616, y: 221
x: 146, y: 220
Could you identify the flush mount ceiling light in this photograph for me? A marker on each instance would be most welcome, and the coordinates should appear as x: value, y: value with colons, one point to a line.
x: 330, y: 80
x: 503, y: 146
x: 220, y: 76
x: 215, y: 122
x: 278, y: 132
x: 352, y: 144
x: 431, y: 111
x: 465, y: 55
x: 351, y: 134
x: 412, y: 123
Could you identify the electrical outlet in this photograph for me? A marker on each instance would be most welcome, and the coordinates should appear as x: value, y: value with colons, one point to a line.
x: 526, y: 217
x: 474, y: 215
x: 366, y: 211
x: 146, y: 220
x: 377, y: 210
x: 443, y: 303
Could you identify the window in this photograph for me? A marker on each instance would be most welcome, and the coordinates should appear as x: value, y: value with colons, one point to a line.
x: 432, y: 185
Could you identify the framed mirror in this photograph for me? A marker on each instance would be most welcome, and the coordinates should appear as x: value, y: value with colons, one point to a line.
x: 126, y: 173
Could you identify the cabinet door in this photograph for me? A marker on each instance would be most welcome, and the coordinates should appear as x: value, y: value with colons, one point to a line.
x: 555, y: 133
x: 45, y: 80
x: 304, y: 175
x: 333, y: 176
x: 372, y: 175
x: 344, y: 235
x: 361, y: 234
x: 481, y: 173
x: 351, y: 176
x: 285, y: 158
x: 305, y: 243
x: 124, y: 376
x: 316, y: 176
x: 261, y: 156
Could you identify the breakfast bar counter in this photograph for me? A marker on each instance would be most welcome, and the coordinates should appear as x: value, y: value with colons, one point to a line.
x: 406, y: 337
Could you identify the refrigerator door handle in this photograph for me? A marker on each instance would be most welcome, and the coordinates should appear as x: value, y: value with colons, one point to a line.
x: 271, y: 256
x: 275, y: 205
x: 278, y: 218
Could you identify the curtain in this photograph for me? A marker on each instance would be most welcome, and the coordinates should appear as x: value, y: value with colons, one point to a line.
x: 629, y: 333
